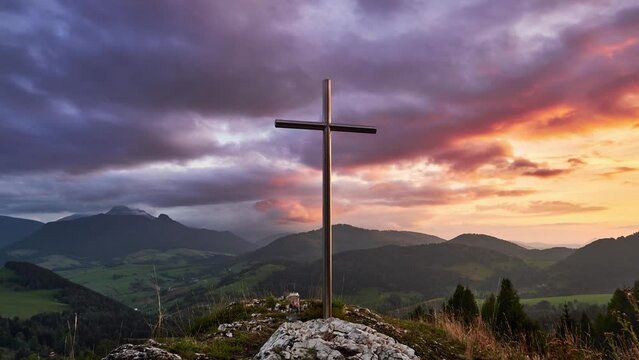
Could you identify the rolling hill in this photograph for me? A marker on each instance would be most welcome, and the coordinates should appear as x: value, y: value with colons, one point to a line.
x: 306, y: 247
x: 117, y: 234
x: 540, y: 258
x: 44, y: 306
x: 431, y: 270
x: 14, y: 229
x: 489, y: 242
x: 600, y: 266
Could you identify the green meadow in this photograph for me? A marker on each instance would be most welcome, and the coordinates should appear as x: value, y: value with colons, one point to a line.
x: 25, y: 304
x: 593, y: 299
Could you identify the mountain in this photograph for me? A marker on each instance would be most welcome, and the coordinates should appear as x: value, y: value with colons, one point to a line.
x: 14, y: 229
x: 42, y: 305
x: 600, y: 266
x: 305, y: 247
x: 489, y: 242
x: 540, y: 258
x: 116, y: 210
x: 431, y: 270
x: 118, y: 233
x: 269, y: 239
x: 126, y: 211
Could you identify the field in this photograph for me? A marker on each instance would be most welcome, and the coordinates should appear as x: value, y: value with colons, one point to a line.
x: 593, y: 299
x: 134, y: 284
x: 25, y: 304
x: 378, y: 299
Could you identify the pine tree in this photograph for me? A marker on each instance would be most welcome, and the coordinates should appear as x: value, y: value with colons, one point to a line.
x: 566, y: 324
x: 488, y: 309
x: 462, y: 305
x: 507, y: 316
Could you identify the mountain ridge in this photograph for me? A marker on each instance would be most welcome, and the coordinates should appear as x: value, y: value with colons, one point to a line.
x: 106, y: 237
x: 13, y: 229
x: 305, y: 247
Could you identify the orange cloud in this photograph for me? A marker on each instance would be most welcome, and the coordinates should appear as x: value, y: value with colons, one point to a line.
x: 575, y: 162
x: 619, y: 170
x: 609, y: 50
x: 288, y: 211
x: 544, y: 208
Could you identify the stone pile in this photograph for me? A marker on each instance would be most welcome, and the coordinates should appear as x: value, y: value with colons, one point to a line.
x: 148, y: 351
x: 332, y: 339
x: 254, y: 325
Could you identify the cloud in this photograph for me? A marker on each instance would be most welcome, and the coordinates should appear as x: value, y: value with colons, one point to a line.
x: 288, y: 211
x: 619, y: 170
x: 154, y: 187
x: 576, y: 162
x: 544, y: 208
x: 98, y: 99
x: 527, y: 167
x: 406, y: 194
x: 471, y: 156
x: 546, y: 173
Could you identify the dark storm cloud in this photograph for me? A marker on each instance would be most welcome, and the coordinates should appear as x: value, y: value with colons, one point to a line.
x: 92, y: 86
x: 153, y: 187
x: 134, y: 64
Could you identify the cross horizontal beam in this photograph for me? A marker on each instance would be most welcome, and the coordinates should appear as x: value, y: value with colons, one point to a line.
x: 311, y: 125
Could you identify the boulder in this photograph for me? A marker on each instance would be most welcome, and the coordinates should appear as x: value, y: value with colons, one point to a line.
x: 331, y: 339
x: 148, y: 351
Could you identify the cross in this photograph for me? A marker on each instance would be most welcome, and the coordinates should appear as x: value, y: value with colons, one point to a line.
x: 327, y: 127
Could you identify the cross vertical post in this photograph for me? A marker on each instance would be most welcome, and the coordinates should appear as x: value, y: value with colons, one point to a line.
x: 327, y: 246
x: 327, y: 126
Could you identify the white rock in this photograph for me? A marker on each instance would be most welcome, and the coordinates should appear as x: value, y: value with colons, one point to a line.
x: 332, y: 339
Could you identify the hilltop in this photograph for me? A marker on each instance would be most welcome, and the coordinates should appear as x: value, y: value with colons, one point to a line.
x: 306, y: 247
x: 602, y: 265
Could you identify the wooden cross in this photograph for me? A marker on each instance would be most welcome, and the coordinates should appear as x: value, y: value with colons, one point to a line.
x: 327, y: 127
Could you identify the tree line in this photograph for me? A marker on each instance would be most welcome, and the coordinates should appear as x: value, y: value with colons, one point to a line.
x: 616, y: 327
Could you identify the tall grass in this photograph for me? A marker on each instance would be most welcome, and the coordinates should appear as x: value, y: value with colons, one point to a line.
x: 479, y: 339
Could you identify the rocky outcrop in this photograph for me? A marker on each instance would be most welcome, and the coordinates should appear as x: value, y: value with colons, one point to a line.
x: 331, y: 339
x: 148, y: 351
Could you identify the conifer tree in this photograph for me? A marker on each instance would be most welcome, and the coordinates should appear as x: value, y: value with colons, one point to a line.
x: 566, y: 324
x: 462, y: 305
x: 506, y: 314
x: 488, y: 309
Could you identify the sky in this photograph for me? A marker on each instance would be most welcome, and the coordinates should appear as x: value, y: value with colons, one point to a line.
x: 518, y: 119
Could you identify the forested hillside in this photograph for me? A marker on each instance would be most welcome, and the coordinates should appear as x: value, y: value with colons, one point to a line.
x: 97, y: 321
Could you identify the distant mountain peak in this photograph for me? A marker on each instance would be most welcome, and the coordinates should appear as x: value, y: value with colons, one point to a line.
x: 164, y: 217
x: 125, y: 210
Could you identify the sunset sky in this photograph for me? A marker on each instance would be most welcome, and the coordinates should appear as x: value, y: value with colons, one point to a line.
x: 518, y: 119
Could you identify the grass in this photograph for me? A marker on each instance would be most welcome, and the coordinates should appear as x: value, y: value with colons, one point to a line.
x: 594, y: 299
x: 25, y: 304
x: 249, y: 280
x: 241, y: 346
x: 132, y: 284
x: 375, y: 298
x: 174, y: 256
x: 436, y: 336
x: 472, y: 271
x: 58, y: 262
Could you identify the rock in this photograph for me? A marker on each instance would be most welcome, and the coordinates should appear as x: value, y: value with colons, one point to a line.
x: 332, y: 339
x: 148, y: 351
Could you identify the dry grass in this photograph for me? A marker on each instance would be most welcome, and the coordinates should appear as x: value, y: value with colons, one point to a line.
x: 479, y: 340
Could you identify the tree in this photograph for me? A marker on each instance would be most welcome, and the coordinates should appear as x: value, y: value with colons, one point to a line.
x: 622, y: 315
x: 506, y: 314
x: 418, y: 313
x: 462, y: 305
x: 567, y: 324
